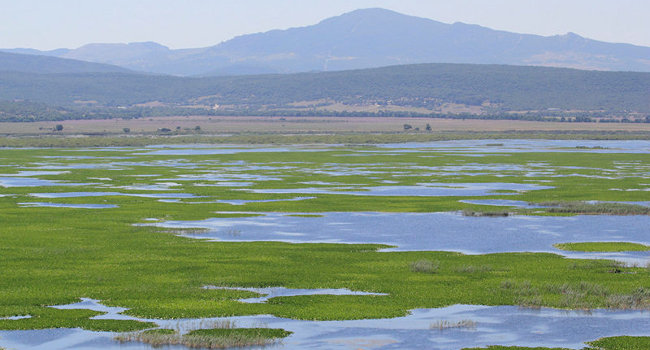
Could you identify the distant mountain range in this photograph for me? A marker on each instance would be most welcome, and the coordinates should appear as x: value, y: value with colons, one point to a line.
x: 11, y: 62
x: 362, y: 39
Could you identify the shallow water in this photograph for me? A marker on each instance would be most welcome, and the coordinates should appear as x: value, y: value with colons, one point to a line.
x: 220, y: 177
x: 513, y: 146
x: 421, y: 190
x: 14, y: 318
x: 161, y: 186
x: 435, y: 231
x: 110, y: 313
x: 12, y: 181
x: 244, y: 201
x: 211, y: 151
x: 494, y: 325
x: 36, y: 173
x: 101, y: 194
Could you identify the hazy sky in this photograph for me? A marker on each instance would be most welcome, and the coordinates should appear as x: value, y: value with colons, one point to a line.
x: 49, y: 24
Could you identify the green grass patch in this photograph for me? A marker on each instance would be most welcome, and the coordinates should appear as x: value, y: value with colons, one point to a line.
x: 44, y: 318
x: 603, y: 247
x: 621, y: 343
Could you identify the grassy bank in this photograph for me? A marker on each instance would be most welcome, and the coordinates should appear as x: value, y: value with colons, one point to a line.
x: 603, y: 247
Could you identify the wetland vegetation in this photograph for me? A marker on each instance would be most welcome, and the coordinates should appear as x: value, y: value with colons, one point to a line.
x: 54, y: 256
x: 596, y: 208
x: 216, y: 338
x: 603, y: 247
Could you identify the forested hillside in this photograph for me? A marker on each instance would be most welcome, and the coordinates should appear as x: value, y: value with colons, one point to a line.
x: 415, y: 89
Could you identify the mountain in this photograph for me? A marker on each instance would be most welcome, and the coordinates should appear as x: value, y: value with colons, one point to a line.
x: 29, y: 63
x: 368, y: 38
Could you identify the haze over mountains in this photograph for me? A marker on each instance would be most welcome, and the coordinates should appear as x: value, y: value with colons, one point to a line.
x: 361, y: 39
x: 11, y: 62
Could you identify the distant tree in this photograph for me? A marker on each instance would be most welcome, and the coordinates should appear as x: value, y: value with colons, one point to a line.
x: 164, y: 130
x: 58, y: 127
x: 407, y: 127
x: 428, y: 127
x: 197, y: 128
x: 126, y: 130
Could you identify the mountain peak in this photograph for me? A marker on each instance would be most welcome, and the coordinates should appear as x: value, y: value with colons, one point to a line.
x: 373, y: 14
x: 572, y: 36
x: 366, y: 38
x: 373, y: 11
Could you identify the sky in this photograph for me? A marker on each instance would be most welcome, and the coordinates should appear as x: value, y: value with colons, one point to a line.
x: 50, y: 24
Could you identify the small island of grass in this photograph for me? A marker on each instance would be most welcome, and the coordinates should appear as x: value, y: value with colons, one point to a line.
x: 595, y: 208
x: 602, y: 247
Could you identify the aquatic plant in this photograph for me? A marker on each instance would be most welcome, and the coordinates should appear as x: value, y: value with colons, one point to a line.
x: 638, y: 299
x: 595, y: 208
x: 425, y: 266
x: 154, y: 337
x: 217, y: 338
x: 187, y: 231
x: 233, y: 232
x: 494, y: 213
x: 444, y: 324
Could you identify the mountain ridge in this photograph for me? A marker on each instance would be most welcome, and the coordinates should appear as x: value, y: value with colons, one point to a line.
x: 367, y: 38
x: 30, y: 63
